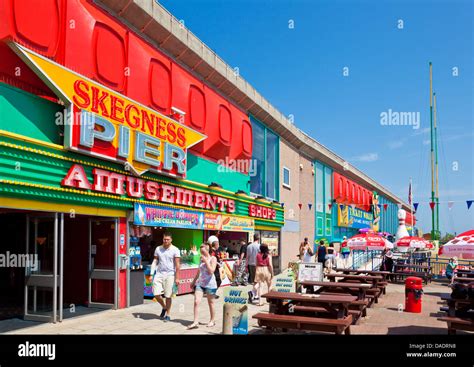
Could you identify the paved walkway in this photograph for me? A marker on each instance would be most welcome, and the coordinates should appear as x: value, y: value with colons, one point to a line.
x: 386, y: 317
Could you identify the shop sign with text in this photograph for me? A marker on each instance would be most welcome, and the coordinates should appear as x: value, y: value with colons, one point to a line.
x: 221, y: 222
x: 134, y: 187
x: 106, y: 124
x: 353, y: 217
x: 151, y: 215
x: 263, y: 212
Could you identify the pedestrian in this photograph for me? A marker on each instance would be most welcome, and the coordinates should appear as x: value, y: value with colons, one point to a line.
x: 213, y: 242
x: 252, y: 251
x: 241, y: 273
x: 451, y: 268
x: 387, y: 262
x: 330, y: 258
x: 204, y: 283
x: 264, y: 271
x: 321, y: 252
x: 345, y: 251
x: 166, y: 263
x: 306, y: 252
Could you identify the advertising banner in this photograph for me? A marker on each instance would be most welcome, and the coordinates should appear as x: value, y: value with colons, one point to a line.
x: 151, y: 215
x: 235, y: 311
x: 353, y: 217
x: 220, y: 222
x: 285, y: 282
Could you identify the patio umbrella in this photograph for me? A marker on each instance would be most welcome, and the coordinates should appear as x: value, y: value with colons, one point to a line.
x: 366, y: 241
x: 462, y: 246
x: 404, y: 243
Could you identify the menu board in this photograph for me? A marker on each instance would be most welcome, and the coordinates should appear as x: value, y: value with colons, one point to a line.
x: 310, y: 271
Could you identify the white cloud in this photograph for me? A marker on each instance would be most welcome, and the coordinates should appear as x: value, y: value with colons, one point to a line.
x: 426, y: 142
x: 369, y: 157
x: 422, y: 131
x: 396, y: 144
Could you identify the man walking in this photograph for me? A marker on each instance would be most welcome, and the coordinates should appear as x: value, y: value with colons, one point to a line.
x: 241, y: 266
x: 166, y: 264
x: 252, y: 250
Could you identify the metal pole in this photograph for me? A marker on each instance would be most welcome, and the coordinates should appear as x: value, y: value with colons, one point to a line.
x: 432, y: 154
x: 436, y: 163
x: 27, y: 269
x: 61, y: 267
x: 55, y: 269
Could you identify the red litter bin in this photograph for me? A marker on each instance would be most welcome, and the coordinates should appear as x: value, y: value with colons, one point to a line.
x: 413, y: 294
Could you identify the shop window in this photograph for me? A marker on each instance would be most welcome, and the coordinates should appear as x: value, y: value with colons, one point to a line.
x: 265, y: 156
x: 286, y: 177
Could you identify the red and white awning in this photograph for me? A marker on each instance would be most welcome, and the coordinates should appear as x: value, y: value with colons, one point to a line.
x: 367, y: 241
x: 413, y: 242
x: 460, y: 246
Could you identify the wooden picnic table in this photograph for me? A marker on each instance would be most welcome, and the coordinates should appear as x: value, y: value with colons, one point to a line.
x: 460, y: 305
x: 374, y: 279
x: 406, y: 270
x: 354, y: 289
x: 460, y: 315
x: 466, y: 273
x: 463, y: 280
x: 361, y: 271
x: 282, y: 302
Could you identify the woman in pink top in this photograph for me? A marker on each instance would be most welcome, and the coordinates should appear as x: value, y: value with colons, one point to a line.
x: 264, y: 270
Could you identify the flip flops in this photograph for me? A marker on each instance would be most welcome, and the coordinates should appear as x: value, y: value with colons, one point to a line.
x: 192, y: 326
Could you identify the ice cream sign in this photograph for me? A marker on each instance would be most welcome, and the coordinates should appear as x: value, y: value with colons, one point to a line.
x: 106, y: 124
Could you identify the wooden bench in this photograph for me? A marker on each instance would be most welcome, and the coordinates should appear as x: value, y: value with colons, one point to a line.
x: 425, y: 276
x: 356, y: 314
x: 360, y: 304
x: 456, y: 323
x: 293, y: 322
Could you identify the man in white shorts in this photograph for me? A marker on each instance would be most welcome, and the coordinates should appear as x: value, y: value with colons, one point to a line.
x: 166, y: 265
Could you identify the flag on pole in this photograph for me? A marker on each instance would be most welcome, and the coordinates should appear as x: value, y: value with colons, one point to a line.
x: 410, y: 198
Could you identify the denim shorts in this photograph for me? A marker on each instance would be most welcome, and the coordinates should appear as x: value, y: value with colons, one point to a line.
x: 210, y: 291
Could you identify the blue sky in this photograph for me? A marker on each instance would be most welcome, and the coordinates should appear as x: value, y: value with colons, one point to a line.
x: 300, y: 69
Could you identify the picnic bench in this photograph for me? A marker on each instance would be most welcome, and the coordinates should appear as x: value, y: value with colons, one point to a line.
x: 458, y: 323
x: 384, y: 274
x: 463, y: 280
x: 466, y: 273
x: 356, y: 309
x: 410, y: 270
x: 372, y: 293
x: 290, y: 311
x: 460, y: 314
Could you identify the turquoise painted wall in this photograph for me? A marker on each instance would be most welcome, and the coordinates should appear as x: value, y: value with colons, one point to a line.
x: 205, y: 171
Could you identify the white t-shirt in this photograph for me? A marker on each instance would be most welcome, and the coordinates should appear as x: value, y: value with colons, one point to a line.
x: 166, y: 260
x: 252, y: 250
x: 307, y: 257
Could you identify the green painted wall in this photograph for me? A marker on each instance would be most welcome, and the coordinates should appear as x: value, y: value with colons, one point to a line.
x: 26, y: 114
x: 184, y: 239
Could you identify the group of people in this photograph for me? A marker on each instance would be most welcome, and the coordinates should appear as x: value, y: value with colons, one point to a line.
x: 325, y: 255
x: 255, y: 262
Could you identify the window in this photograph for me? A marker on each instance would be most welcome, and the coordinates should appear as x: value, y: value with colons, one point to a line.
x: 265, y: 154
x: 286, y: 177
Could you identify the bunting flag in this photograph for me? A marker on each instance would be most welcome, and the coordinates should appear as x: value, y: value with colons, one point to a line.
x: 330, y: 206
x: 341, y: 206
x: 300, y: 205
x: 432, y: 205
x: 282, y: 205
x: 385, y: 206
x: 415, y: 205
x: 310, y: 206
x: 353, y: 206
x: 469, y: 203
x: 380, y: 206
x: 450, y: 204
